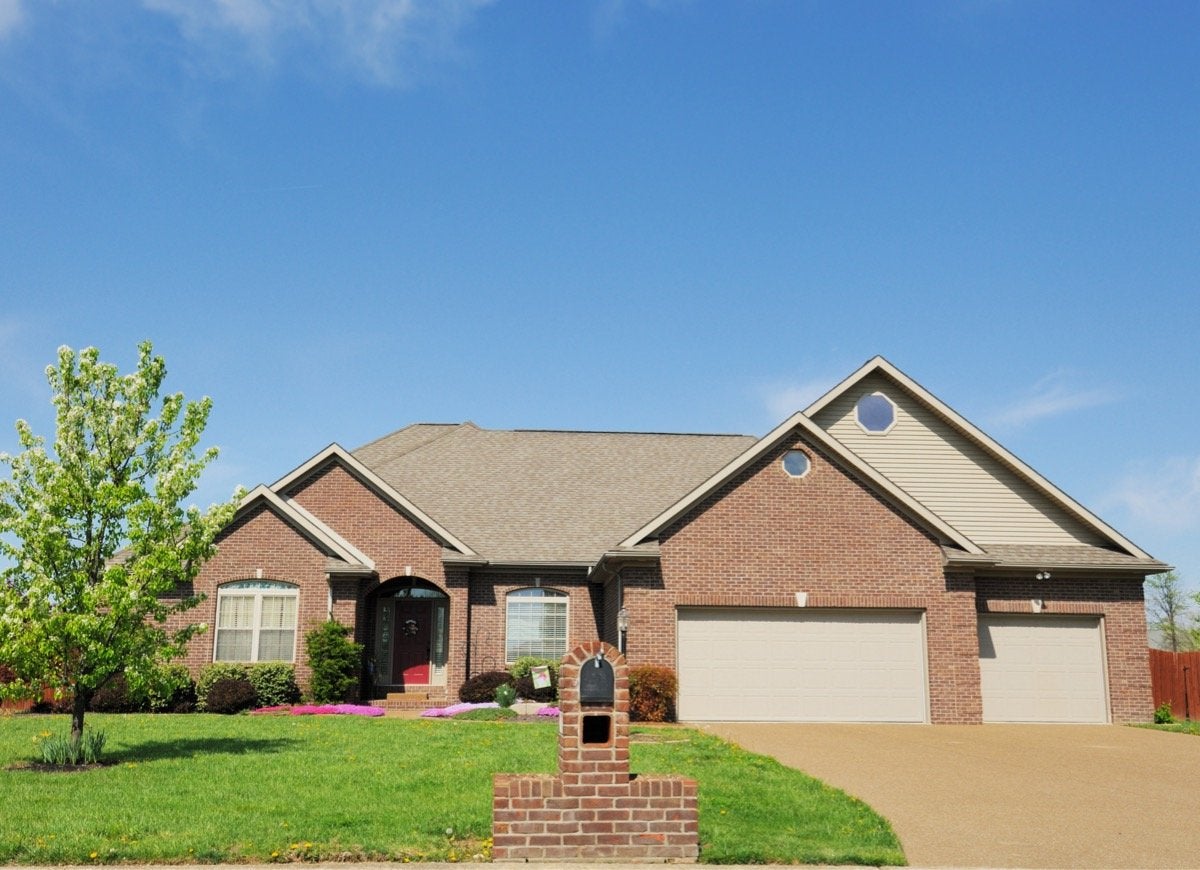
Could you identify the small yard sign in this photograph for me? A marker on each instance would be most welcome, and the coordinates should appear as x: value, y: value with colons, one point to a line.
x: 541, y: 676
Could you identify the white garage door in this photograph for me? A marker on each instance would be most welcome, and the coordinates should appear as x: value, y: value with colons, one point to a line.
x: 801, y: 665
x: 1042, y: 669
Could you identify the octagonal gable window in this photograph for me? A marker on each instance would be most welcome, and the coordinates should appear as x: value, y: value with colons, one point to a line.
x: 796, y: 463
x: 875, y: 413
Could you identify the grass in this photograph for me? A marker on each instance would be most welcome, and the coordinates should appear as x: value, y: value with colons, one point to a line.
x: 205, y: 788
x: 1187, y: 727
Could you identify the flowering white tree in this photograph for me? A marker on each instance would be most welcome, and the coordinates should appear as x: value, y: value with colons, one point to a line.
x: 99, y: 549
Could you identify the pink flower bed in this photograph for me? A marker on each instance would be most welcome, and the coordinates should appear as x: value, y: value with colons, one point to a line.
x: 447, y: 712
x: 549, y: 711
x: 319, y: 710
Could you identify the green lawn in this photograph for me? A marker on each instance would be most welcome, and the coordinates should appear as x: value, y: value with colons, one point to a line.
x: 239, y: 788
x: 1188, y: 727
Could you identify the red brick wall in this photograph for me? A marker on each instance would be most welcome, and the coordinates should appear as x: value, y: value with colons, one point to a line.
x: 260, y: 542
x: 397, y: 545
x: 765, y: 536
x: 1118, y: 600
x: 489, y: 588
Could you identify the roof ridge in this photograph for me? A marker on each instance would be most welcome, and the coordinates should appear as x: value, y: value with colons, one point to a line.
x: 626, y: 432
x: 449, y: 427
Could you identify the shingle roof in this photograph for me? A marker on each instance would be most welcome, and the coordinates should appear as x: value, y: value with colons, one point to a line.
x: 1066, y: 556
x: 552, y: 496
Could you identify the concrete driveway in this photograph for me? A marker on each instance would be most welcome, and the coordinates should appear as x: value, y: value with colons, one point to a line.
x: 1009, y: 795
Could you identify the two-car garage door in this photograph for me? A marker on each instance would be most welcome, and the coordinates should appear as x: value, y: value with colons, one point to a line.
x: 799, y: 665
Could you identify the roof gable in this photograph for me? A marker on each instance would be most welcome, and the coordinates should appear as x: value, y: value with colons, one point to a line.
x: 523, y: 496
x: 798, y: 423
x: 956, y: 469
x: 336, y: 453
x: 319, y: 534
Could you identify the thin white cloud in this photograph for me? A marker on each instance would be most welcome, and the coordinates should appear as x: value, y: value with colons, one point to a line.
x: 11, y: 17
x: 1051, y: 396
x: 786, y: 398
x: 380, y: 40
x: 1163, y: 495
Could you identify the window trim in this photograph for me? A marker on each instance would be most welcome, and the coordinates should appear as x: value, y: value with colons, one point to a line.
x: 257, y: 590
x: 891, y: 404
x: 544, y: 595
x: 807, y: 463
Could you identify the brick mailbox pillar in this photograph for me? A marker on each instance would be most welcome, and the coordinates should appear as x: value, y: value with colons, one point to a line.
x: 595, y: 808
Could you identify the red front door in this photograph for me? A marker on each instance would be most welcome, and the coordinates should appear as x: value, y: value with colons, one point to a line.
x: 411, y: 639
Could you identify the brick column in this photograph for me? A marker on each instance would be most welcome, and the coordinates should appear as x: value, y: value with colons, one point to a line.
x: 594, y: 809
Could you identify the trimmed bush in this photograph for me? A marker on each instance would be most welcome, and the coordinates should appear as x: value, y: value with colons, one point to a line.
x: 336, y: 663
x: 652, y: 691
x: 481, y: 688
x: 522, y: 666
x: 521, y: 670
x: 115, y: 697
x: 170, y: 689
x: 274, y: 684
x: 230, y: 695
x: 212, y: 674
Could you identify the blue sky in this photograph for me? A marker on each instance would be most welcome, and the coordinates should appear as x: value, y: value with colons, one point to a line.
x: 337, y: 219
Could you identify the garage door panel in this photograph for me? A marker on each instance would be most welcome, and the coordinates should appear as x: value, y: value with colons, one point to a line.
x: 1042, y: 669
x: 789, y: 665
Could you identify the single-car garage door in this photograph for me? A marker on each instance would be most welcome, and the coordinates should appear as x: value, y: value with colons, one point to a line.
x: 1042, y: 669
x: 798, y: 665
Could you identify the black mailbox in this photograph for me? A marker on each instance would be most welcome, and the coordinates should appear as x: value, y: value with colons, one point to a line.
x: 596, y: 682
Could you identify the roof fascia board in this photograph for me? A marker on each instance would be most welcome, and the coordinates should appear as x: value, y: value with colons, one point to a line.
x: 379, y: 485
x: 881, y: 484
x: 319, y: 534
x: 987, y: 442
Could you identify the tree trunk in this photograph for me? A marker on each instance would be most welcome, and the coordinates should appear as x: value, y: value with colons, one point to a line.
x: 78, y: 708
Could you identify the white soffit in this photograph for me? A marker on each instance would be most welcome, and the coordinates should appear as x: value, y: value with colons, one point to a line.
x: 879, y: 364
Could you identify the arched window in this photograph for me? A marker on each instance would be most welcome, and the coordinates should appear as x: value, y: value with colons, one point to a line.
x: 535, y: 624
x: 256, y: 622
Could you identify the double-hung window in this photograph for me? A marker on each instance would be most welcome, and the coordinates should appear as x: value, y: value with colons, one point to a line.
x: 256, y: 622
x: 536, y: 624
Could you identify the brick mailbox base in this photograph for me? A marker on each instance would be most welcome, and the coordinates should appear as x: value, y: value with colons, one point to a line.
x: 594, y: 809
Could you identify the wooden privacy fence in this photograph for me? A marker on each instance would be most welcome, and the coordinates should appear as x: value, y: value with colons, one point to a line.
x: 1175, y: 680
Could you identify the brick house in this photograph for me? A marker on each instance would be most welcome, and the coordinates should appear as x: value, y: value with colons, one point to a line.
x: 875, y: 557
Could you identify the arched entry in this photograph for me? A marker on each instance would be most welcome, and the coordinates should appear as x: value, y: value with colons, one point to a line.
x: 410, y: 633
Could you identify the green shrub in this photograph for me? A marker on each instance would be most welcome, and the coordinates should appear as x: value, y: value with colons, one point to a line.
x: 522, y: 672
x: 522, y: 666
x: 230, y: 695
x: 274, y: 684
x: 170, y: 689
x: 336, y: 663
x: 481, y: 688
x: 213, y: 673
x: 652, y: 694
x: 487, y: 714
x: 1163, y: 714
x: 506, y: 695
x: 114, y: 697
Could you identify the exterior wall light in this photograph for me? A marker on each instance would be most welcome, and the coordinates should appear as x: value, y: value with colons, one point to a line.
x: 622, y: 626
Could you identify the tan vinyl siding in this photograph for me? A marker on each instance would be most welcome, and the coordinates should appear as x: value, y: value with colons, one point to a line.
x: 950, y: 473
